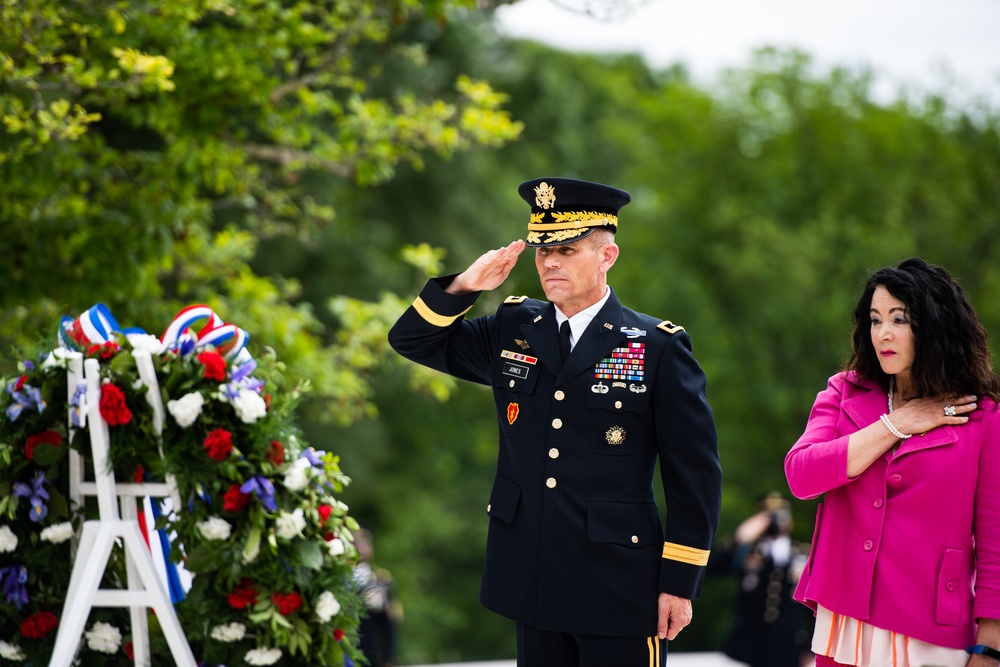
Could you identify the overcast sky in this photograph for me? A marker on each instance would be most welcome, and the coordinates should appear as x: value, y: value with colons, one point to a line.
x: 921, y: 43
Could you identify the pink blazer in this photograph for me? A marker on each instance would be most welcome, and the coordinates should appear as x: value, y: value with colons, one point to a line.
x: 912, y: 544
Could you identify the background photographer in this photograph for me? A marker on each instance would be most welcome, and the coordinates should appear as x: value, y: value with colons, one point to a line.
x: 768, y: 628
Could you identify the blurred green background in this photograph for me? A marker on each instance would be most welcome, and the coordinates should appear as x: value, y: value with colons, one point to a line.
x: 303, y: 166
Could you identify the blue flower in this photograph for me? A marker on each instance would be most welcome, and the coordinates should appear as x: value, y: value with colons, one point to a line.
x: 26, y: 397
x: 314, y: 457
x: 75, y: 414
x: 240, y: 379
x: 185, y: 344
x: 264, y: 489
x: 36, y: 494
x: 14, y: 579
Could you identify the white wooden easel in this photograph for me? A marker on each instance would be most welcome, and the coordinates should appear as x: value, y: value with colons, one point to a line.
x: 145, y: 589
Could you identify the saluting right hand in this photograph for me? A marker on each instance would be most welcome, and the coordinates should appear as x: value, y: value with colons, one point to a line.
x: 489, y: 271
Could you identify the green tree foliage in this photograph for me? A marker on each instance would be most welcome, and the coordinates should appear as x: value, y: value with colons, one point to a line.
x: 148, y: 149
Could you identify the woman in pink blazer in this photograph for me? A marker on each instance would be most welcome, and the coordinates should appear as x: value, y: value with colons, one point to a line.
x: 904, y: 569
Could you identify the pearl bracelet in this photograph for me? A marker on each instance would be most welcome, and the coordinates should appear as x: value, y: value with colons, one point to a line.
x: 892, y: 429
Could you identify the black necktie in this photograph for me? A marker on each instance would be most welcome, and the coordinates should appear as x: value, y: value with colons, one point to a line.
x: 564, y: 347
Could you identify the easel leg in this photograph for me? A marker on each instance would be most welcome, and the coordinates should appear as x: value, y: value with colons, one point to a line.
x: 96, y: 542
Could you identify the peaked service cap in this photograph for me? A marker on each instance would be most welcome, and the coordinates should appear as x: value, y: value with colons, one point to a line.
x: 564, y: 210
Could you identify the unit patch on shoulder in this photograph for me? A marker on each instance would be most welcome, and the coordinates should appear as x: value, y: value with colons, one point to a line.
x: 515, y: 299
x: 669, y: 327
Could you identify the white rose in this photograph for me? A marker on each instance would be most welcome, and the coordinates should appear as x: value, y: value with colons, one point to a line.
x: 104, y: 638
x: 290, y: 525
x: 231, y: 632
x: 297, y: 475
x: 60, y: 532
x: 327, y: 606
x: 11, y: 652
x: 8, y: 540
x: 249, y: 406
x: 215, y: 528
x: 57, y: 358
x: 186, y: 409
x: 263, y: 656
x: 336, y: 547
x: 144, y: 341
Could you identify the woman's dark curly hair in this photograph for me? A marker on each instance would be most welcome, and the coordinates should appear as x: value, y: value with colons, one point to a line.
x: 950, y: 351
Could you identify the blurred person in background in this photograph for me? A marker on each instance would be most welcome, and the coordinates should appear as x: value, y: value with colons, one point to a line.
x: 904, y: 445
x: 768, y: 627
x: 383, y: 612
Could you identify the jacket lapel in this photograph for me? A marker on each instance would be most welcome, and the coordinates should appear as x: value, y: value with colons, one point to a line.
x: 543, y: 337
x: 602, y: 335
x: 868, y: 406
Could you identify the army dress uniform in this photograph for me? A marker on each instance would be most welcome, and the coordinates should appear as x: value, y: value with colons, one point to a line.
x: 575, y: 540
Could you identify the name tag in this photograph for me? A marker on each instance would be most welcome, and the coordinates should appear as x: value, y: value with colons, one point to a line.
x: 517, y: 370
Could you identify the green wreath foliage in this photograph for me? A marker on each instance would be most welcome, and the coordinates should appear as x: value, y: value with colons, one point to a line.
x: 268, y: 545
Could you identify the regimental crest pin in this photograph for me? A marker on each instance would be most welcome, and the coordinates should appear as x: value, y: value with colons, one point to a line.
x: 545, y: 195
x: 615, y: 435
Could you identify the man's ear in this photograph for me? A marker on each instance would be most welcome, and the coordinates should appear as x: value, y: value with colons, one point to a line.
x: 610, y: 256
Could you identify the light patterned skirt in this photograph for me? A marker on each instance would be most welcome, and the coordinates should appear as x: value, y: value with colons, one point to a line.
x: 852, y: 642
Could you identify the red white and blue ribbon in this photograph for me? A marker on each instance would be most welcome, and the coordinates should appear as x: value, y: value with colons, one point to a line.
x: 182, y: 335
x: 94, y: 327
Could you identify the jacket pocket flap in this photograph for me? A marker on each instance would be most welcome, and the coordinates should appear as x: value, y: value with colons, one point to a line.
x: 627, y: 524
x: 504, y: 499
x: 952, y: 588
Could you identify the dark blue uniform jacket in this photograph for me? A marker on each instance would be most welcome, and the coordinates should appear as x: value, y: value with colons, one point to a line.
x: 575, y: 538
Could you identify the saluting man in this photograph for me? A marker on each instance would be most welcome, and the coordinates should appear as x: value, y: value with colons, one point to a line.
x: 589, y: 394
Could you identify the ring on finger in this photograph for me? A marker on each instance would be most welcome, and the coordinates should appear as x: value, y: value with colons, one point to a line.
x: 949, y: 411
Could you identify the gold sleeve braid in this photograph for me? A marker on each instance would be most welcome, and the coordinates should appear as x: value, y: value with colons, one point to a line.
x: 436, y: 319
x: 684, y: 554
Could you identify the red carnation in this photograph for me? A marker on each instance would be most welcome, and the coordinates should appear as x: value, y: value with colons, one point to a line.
x: 113, y: 407
x: 276, y: 453
x: 105, y: 351
x: 324, y: 513
x: 129, y: 650
x: 218, y: 444
x: 35, y: 439
x: 243, y: 595
x: 235, y: 500
x: 287, y: 603
x: 38, y: 625
x: 19, y: 385
x: 215, y: 366
x: 338, y: 634
x: 139, y: 473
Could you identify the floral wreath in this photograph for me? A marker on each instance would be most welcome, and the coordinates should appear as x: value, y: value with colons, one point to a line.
x: 267, y: 544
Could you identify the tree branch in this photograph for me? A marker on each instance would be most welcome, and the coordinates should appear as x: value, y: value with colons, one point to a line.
x: 284, y: 155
